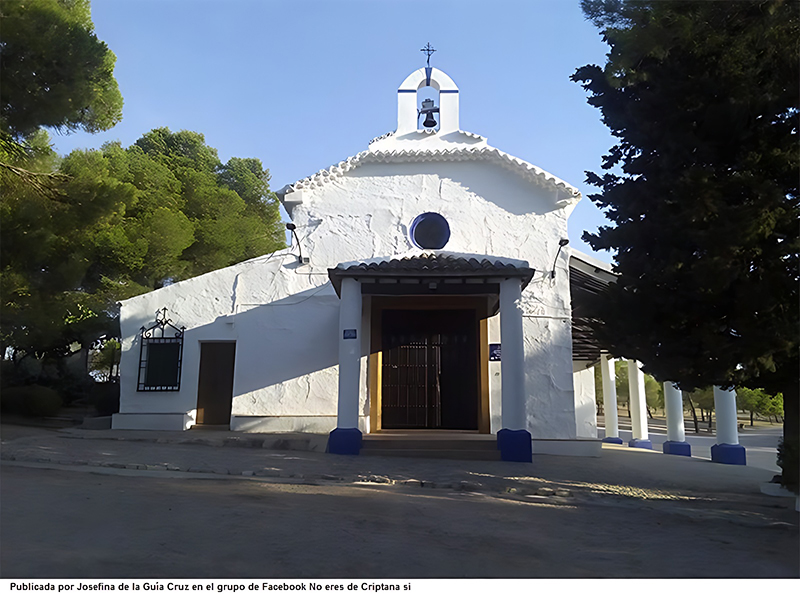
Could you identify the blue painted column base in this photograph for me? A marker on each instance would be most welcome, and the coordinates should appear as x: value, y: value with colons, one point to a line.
x: 728, y: 453
x: 616, y: 440
x: 644, y: 444
x: 515, y: 445
x: 344, y: 441
x: 678, y: 448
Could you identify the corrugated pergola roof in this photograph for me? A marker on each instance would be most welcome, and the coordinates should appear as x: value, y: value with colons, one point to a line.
x: 583, y: 283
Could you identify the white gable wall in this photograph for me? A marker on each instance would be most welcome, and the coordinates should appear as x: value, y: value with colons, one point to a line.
x: 491, y: 210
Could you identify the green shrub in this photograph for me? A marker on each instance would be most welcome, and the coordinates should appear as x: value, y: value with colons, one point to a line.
x: 32, y: 401
x: 73, y: 386
x: 8, y: 374
x: 104, y: 397
x: 11, y: 400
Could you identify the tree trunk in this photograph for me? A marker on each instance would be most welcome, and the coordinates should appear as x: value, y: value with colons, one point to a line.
x: 709, y: 421
x: 791, y: 436
x: 694, y: 413
x: 751, y: 418
x: 85, y: 359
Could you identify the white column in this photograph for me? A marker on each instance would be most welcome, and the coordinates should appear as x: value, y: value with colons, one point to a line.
x: 727, y: 423
x: 349, y: 354
x: 609, y: 395
x: 636, y: 398
x: 512, y: 356
x: 673, y: 403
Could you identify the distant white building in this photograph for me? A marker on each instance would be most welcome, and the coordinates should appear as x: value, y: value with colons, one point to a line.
x: 413, y: 262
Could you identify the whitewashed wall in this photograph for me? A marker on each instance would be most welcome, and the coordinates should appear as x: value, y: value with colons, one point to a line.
x: 284, y: 317
x: 585, y: 400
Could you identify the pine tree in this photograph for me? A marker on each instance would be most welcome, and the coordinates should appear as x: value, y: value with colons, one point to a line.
x: 702, y: 188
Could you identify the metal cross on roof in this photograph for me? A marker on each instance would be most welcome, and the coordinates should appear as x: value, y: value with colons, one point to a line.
x: 428, y: 49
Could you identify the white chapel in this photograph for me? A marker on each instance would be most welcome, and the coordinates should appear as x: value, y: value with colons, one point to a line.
x: 428, y: 287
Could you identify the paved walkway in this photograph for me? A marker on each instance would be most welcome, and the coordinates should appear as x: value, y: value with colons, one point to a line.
x: 620, y: 471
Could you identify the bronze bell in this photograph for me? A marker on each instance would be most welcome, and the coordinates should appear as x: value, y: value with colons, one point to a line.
x: 428, y: 109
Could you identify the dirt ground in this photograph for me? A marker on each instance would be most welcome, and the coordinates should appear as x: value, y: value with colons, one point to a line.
x: 64, y: 523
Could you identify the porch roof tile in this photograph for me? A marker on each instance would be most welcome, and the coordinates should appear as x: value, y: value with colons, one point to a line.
x: 429, y: 266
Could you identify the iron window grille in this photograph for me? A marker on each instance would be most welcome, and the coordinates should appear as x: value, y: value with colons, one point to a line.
x: 160, y: 355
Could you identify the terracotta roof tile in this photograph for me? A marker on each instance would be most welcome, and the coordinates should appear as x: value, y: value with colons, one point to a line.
x: 531, y: 173
x: 431, y: 265
x: 436, y: 262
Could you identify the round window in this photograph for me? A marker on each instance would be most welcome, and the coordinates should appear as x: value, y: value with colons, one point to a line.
x: 430, y: 231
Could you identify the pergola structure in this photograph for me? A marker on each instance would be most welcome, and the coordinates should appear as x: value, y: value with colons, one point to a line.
x: 589, y: 277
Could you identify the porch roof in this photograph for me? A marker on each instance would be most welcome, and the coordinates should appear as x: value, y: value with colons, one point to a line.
x: 429, y: 266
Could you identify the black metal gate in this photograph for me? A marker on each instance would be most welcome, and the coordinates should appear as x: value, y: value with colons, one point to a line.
x: 430, y: 373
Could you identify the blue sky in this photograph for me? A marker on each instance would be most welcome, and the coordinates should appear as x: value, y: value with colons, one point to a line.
x: 304, y: 84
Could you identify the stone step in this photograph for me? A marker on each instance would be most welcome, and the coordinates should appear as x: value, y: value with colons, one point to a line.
x: 444, y: 454
x: 391, y: 443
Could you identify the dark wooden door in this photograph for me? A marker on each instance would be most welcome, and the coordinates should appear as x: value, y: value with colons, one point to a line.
x: 430, y: 369
x: 215, y: 385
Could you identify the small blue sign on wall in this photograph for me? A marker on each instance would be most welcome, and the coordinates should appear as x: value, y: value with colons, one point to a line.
x: 348, y: 334
x: 494, y: 352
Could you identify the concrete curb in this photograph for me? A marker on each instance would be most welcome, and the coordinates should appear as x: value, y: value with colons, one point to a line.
x: 303, y: 442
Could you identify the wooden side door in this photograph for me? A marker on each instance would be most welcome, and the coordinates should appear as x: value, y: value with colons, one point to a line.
x: 215, y: 384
